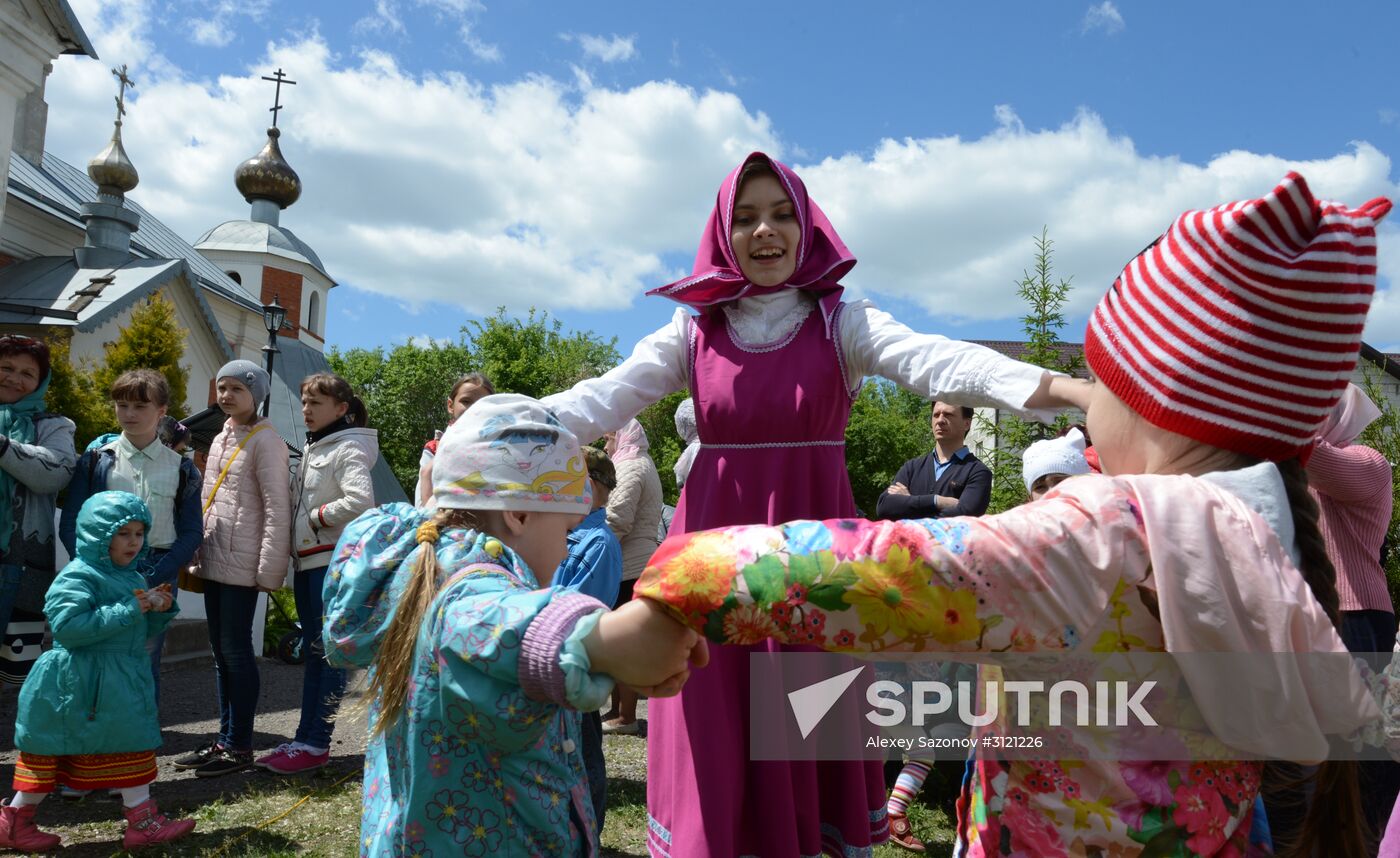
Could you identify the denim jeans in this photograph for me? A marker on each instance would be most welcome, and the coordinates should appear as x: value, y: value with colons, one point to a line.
x: 155, y: 645
x: 322, y: 685
x: 230, y: 610
x: 591, y: 745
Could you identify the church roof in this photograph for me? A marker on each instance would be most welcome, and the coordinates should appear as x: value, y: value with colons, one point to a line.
x: 253, y: 237
x: 61, y: 189
x: 53, y: 290
x: 66, y: 27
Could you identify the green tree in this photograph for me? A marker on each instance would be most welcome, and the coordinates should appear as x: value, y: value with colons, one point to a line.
x: 152, y: 339
x: 72, y: 391
x: 405, y: 390
x: 1045, y: 298
x: 888, y: 426
x: 1384, y: 437
x: 534, y: 355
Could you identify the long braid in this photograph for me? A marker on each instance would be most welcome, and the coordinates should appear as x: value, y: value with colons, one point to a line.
x: 1314, y: 561
x: 393, y: 664
x: 1334, y: 824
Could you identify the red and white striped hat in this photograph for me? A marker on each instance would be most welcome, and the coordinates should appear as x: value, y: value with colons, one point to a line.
x: 1240, y: 326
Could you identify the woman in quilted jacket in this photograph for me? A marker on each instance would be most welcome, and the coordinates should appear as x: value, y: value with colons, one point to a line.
x: 333, y: 486
x: 87, y: 714
x: 246, y: 551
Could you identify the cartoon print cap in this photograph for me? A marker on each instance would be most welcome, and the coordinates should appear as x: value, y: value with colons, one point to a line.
x: 510, y: 452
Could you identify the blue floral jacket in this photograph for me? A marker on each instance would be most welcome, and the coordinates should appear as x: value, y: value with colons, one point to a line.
x: 484, y: 758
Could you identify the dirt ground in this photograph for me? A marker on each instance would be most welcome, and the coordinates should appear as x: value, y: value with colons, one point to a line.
x: 189, y: 718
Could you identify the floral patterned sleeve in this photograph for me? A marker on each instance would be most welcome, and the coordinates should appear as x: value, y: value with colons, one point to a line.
x: 1040, y: 573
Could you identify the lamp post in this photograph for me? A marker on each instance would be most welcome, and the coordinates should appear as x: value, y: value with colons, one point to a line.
x: 274, y: 315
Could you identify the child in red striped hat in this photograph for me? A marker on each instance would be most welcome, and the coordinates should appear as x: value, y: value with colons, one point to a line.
x: 1219, y: 353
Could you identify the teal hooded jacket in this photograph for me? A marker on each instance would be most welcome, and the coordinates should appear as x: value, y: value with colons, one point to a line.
x: 93, y: 693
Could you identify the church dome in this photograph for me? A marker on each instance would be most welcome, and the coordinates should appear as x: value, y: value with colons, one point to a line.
x: 111, y: 169
x: 248, y: 236
x: 268, y: 176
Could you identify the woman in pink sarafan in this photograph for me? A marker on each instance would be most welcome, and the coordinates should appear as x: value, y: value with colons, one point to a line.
x: 773, y: 359
x: 1219, y: 354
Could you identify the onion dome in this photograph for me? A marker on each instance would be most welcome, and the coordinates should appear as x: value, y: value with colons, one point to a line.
x: 268, y: 176
x: 111, y: 169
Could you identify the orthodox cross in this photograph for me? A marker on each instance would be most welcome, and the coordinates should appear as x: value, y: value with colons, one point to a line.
x: 279, y: 78
x: 120, y: 75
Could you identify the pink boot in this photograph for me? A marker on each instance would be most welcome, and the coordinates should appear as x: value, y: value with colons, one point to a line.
x: 147, y: 826
x: 18, y: 831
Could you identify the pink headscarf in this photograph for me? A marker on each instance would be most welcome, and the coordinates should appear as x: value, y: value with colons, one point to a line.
x: 822, y: 258
x: 629, y: 443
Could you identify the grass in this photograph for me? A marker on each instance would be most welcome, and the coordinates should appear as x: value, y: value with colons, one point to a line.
x: 239, y: 825
x: 266, y: 820
x: 624, y: 833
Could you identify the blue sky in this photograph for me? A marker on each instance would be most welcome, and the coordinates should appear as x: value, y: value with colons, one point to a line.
x: 564, y: 155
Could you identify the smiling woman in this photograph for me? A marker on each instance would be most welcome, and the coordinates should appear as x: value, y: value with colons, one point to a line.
x: 36, y: 460
x: 773, y: 359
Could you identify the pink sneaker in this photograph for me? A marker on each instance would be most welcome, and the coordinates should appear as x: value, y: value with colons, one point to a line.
x: 147, y: 826
x: 276, y: 755
x: 295, y: 761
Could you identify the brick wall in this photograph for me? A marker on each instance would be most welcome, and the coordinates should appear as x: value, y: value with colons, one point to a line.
x: 286, y: 288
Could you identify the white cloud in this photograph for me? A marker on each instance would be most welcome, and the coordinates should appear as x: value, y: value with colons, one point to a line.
x: 211, y: 32
x: 541, y: 192
x: 436, y: 188
x: 605, y: 49
x: 1104, y: 16
x: 484, y: 51
x: 384, y: 20
x: 946, y: 223
x: 219, y: 28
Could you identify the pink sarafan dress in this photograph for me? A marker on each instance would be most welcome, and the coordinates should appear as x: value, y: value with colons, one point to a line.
x: 781, y: 459
x: 772, y: 400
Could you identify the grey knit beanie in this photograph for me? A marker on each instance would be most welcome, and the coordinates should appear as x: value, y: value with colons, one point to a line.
x: 250, y: 375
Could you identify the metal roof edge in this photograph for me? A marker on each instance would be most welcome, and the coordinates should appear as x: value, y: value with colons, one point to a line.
x: 158, y: 278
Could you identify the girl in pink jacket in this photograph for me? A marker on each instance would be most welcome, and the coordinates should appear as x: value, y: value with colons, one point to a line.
x: 246, y: 551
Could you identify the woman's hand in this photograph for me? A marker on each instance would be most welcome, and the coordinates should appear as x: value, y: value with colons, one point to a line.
x: 1059, y: 391
x: 641, y: 646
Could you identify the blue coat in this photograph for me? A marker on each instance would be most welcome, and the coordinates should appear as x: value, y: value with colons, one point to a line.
x: 472, y: 766
x: 594, y: 564
x: 93, y: 692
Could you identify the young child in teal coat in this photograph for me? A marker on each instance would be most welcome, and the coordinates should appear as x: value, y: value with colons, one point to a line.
x: 87, y: 714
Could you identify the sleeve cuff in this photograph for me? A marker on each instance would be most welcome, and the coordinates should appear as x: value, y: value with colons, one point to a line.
x: 541, y: 671
x: 583, y: 690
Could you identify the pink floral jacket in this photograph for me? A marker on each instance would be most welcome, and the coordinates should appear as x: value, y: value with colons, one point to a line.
x: 1103, y: 565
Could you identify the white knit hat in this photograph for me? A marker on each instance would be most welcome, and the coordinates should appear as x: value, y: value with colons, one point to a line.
x: 1063, y: 455
x: 510, y: 452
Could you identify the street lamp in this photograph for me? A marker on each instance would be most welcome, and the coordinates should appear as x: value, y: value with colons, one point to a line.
x: 274, y: 315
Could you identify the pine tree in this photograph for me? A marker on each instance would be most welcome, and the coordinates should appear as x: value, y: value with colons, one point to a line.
x: 152, y: 339
x: 1045, y: 299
